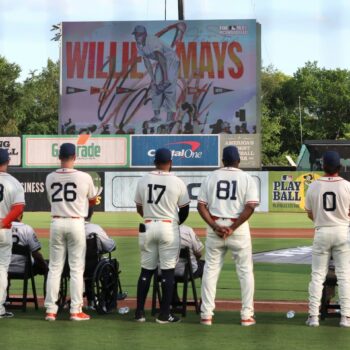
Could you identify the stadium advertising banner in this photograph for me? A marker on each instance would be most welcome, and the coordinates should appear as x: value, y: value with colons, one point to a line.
x: 92, y: 151
x: 33, y: 183
x: 120, y: 188
x: 13, y: 144
x: 187, y: 150
x: 248, y: 146
x: 287, y: 190
x: 160, y: 77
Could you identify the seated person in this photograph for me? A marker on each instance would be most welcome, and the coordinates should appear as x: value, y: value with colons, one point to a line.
x: 24, y: 235
x: 104, y: 245
x: 189, y: 239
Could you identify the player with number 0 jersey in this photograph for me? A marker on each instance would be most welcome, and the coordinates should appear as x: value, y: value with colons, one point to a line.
x: 70, y: 193
x: 328, y: 205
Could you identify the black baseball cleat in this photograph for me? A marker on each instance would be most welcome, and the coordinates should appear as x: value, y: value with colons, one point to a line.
x: 7, y: 315
x: 140, y: 316
x: 168, y: 319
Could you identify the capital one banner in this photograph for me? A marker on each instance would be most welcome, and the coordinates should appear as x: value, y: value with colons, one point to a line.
x: 187, y: 150
x: 103, y: 151
x: 160, y: 77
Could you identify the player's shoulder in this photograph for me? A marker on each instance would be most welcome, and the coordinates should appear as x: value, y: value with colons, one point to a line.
x: 91, y: 228
x: 9, y: 178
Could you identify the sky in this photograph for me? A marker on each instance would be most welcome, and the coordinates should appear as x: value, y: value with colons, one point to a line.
x: 293, y: 32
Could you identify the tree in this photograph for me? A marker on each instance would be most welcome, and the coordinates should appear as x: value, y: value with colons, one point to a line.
x: 10, y: 96
x: 325, y: 101
x: 40, y: 101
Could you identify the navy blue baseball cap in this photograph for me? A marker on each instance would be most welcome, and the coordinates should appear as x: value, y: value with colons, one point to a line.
x: 139, y: 30
x: 331, y: 158
x: 163, y: 155
x: 4, y: 155
x: 67, y: 150
x: 230, y: 154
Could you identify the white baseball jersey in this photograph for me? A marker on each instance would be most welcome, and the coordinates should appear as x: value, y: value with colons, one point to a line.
x: 188, y: 239
x: 226, y: 191
x: 11, y: 192
x: 68, y: 191
x: 24, y: 235
x: 328, y: 198
x: 152, y: 45
x: 104, y: 243
x: 160, y: 194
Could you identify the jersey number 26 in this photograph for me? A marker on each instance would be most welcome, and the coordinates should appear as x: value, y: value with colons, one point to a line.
x: 69, y: 195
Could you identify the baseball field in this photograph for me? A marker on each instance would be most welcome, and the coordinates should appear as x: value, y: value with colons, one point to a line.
x: 279, y: 288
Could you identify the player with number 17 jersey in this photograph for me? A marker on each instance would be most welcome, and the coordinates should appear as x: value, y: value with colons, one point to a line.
x: 150, y: 194
x: 68, y: 190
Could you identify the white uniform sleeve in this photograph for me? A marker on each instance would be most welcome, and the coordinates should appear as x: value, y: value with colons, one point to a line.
x: 252, y: 192
x: 202, y: 197
x: 197, y: 245
x: 184, y: 199
x: 18, y: 194
x: 91, y: 190
x: 107, y: 243
x: 308, y: 201
x: 138, y: 199
x: 32, y: 240
x: 47, y: 184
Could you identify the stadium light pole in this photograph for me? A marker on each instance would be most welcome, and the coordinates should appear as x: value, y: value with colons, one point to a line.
x: 301, y: 125
x: 180, y: 6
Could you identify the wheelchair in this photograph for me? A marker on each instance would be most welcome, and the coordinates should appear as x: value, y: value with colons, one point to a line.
x: 101, y: 276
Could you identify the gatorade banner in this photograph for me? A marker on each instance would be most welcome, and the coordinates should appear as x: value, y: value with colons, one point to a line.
x: 92, y: 151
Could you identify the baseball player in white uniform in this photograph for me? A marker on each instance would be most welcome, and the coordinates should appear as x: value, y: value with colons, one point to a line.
x: 70, y: 193
x: 162, y: 200
x: 24, y: 235
x: 164, y: 76
x: 11, y: 206
x: 328, y: 205
x: 227, y: 198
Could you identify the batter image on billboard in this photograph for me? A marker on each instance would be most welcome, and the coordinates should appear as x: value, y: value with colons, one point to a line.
x: 160, y: 77
x: 164, y: 76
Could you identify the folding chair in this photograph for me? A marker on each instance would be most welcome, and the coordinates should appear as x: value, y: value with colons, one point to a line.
x: 329, y: 309
x: 187, y: 277
x: 26, y: 275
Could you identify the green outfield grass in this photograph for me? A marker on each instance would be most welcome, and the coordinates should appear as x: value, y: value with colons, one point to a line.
x: 272, y: 332
x: 131, y: 219
x: 273, y: 281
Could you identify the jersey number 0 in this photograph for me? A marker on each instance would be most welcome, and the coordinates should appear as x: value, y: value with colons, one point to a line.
x: 69, y: 194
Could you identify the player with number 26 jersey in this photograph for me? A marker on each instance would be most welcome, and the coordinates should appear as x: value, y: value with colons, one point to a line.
x: 70, y: 193
x: 68, y: 190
